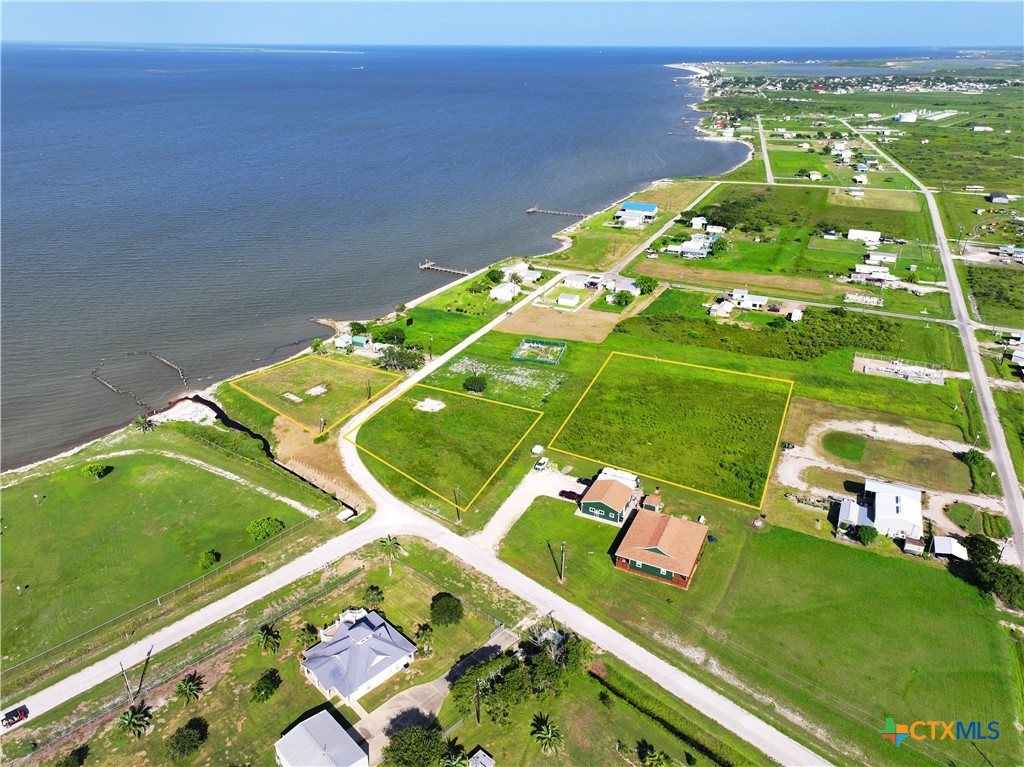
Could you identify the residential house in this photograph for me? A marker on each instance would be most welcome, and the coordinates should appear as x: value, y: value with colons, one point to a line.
x: 860, y: 178
x: 814, y: 175
x: 872, y: 273
x: 698, y: 222
x: 505, y: 291
x: 635, y: 215
x: 711, y: 229
x: 661, y: 548
x: 894, y: 510
x: 879, y: 258
x: 358, y: 652
x: 982, y: 129
x: 319, y: 742
x: 974, y: 188
x: 999, y: 197
x: 343, y: 340
x: 865, y: 236
x: 857, y: 194
x: 722, y: 308
x: 949, y: 548
x: 522, y: 270
x: 480, y: 758
x: 744, y: 300
x: 621, y: 285
x: 569, y: 300
x: 578, y: 281
x: 611, y: 496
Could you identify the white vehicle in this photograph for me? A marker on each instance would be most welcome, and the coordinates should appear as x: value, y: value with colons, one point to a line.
x: 541, y: 464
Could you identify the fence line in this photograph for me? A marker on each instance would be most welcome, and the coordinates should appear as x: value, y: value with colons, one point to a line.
x: 158, y: 601
x: 178, y: 668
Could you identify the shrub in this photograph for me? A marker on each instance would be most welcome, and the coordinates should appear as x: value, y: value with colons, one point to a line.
x: 399, y: 359
x: 263, y: 689
x: 475, y: 383
x: 373, y: 597
x: 187, y: 739
x: 646, y: 284
x: 208, y: 559
x: 623, y: 298
x: 395, y: 336
x: 866, y: 534
x: 446, y: 609
x: 495, y: 275
x: 96, y: 470
x: 265, y: 528
x: 414, y: 746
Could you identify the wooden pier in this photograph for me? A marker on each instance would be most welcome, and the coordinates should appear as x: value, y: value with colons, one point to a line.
x: 535, y: 209
x: 435, y: 268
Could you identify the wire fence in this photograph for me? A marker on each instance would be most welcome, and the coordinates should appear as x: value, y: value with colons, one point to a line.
x: 246, y: 628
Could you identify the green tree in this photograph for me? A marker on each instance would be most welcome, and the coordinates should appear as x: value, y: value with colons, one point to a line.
x: 390, y: 335
x: 546, y: 733
x: 189, y: 688
x: 475, y: 383
x: 446, y: 609
x: 424, y: 637
x: 307, y: 636
x: 318, y: 347
x: 389, y: 547
x: 623, y: 298
x: 143, y: 423
x: 415, y: 746
x: 578, y: 654
x: 455, y: 755
x: 373, y: 597
x: 96, y: 470
x: 265, y: 528
x: 187, y: 739
x: 495, y: 276
x: 396, y: 359
x: 516, y: 279
x: 646, y: 284
x: 657, y: 759
x: 208, y: 559
x: 266, y: 638
x: 981, y: 549
x: 719, y: 246
x: 357, y: 328
x: 135, y: 721
x: 263, y: 689
x: 866, y: 534
x: 974, y: 457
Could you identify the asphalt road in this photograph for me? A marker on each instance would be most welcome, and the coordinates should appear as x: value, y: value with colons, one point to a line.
x: 764, y: 153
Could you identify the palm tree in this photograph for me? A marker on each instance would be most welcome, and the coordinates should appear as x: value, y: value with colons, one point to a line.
x: 547, y: 734
x: 390, y: 548
x: 135, y: 721
x: 266, y: 638
x: 454, y: 755
x: 144, y: 423
x: 189, y: 688
x: 424, y: 634
x: 657, y: 759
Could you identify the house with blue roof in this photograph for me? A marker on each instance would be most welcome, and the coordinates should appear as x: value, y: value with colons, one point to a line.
x: 636, y: 215
x: 357, y: 653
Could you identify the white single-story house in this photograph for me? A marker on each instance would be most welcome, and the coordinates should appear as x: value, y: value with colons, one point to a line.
x: 744, y: 300
x: 320, y: 742
x: 1018, y: 357
x: 569, y: 300
x: 578, y: 281
x: 879, y: 258
x: 872, y: 272
x: 698, y: 247
x: 522, y: 270
x: 343, y: 340
x: 860, y: 178
x: 505, y: 291
x: 623, y: 284
x: 894, y: 510
x: 722, y: 309
x: 814, y: 175
x: 634, y: 215
x: 698, y: 222
x: 358, y: 652
x: 872, y: 238
x: 710, y: 229
x: 944, y: 546
x: 805, y: 145
x: 728, y: 132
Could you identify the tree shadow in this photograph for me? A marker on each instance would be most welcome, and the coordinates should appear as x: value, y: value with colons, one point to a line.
x: 326, y: 706
x: 410, y: 717
x: 466, y: 662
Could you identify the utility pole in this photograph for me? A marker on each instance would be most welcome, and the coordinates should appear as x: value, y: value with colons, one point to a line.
x: 561, y: 576
x: 458, y: 504
x: 899, y: 351
x: 127, y: 686
x: 322, y: 423
x: 976, y: 440
x: 431, y: 348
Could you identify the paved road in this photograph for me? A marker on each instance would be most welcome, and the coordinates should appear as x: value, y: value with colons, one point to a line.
x: 1000, y: 449
x: 764, y: 152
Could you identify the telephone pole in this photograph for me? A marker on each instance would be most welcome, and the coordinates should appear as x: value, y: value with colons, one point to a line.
x: 127, y: 686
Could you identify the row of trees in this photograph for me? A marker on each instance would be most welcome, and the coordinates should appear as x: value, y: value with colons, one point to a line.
x: 989, y: 574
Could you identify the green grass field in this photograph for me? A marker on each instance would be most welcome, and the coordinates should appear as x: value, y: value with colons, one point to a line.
x: 998, y: 292
x: 965, y: 516
x: 654, y: 418
x: 960, y: 218
x: 93, y: 549
x: 1011, y: 414
x: 348, y: 387
x: 447, y: 456
x: 755, y: 606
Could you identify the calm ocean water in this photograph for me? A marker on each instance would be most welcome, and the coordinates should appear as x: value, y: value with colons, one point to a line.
x: 203, y: 205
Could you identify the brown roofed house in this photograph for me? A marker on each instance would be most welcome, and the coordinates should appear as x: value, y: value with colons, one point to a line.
x: 661, y: 547
x: 609, y: 500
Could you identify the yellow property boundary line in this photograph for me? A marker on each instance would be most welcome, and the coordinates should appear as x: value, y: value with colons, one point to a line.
x: 540, y: 414
x: 778, y: 437
x: 234, y: 384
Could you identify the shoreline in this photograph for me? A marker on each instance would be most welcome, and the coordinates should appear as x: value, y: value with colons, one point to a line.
x: 561, y: 236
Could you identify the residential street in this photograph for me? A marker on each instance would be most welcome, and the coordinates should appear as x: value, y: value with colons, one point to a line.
x: 764, y: 153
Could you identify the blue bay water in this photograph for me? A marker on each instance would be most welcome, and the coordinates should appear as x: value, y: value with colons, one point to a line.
x: 205, y: 204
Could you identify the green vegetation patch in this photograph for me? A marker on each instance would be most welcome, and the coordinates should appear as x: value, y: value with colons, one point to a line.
x: 85, y: 550
x: 918, y: 465
x: 315, y: 391
x: 700, y: 428
x: 997, y: 526
x: 1011, y: 414
x: 964, y: 516
x: 448, y: 445
x: 998, y: 292
x: 849, y: 447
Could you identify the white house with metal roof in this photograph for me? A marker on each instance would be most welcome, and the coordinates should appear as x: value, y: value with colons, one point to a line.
x: 355, y: 654
x: 634, y: 215
x: 505, y: 291
x: 894, y: 510
x: 320, y: 742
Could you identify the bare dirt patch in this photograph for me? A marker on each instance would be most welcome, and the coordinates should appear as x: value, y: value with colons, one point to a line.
x: 695, y: 275
x: 320, y: 463
x: 586, y: 325
x: 429, y: 405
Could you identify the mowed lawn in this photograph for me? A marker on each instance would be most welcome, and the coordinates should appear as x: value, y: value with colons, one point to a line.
x: 843, y: 636
x: 347, y: 387
x: 93, y: 549
x: 448, y: 452
x: 709, y: 430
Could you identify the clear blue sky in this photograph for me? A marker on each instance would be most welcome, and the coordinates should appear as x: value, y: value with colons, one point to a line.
x: 682, y: 24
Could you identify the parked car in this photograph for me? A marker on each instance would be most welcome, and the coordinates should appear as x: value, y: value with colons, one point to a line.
x: 569, y: 495
x: 583, y: 481
x: 774, y: 308
x: 542, y: 463
x: 14, y: 716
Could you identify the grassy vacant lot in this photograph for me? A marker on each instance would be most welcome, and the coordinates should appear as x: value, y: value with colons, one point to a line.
x: 88, y: 550
x: 916, y: 465
x: 656, y: 418
x: 597, y: 247
x: 1011, y: 414
x: 348, y: 387
x: 959, y: 217
x: 447, y: 456
x: 998, y: 292
x: 755, y: 607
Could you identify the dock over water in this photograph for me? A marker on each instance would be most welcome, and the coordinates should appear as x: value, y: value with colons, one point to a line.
x: 435, y: 268
x: 535, y: 209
